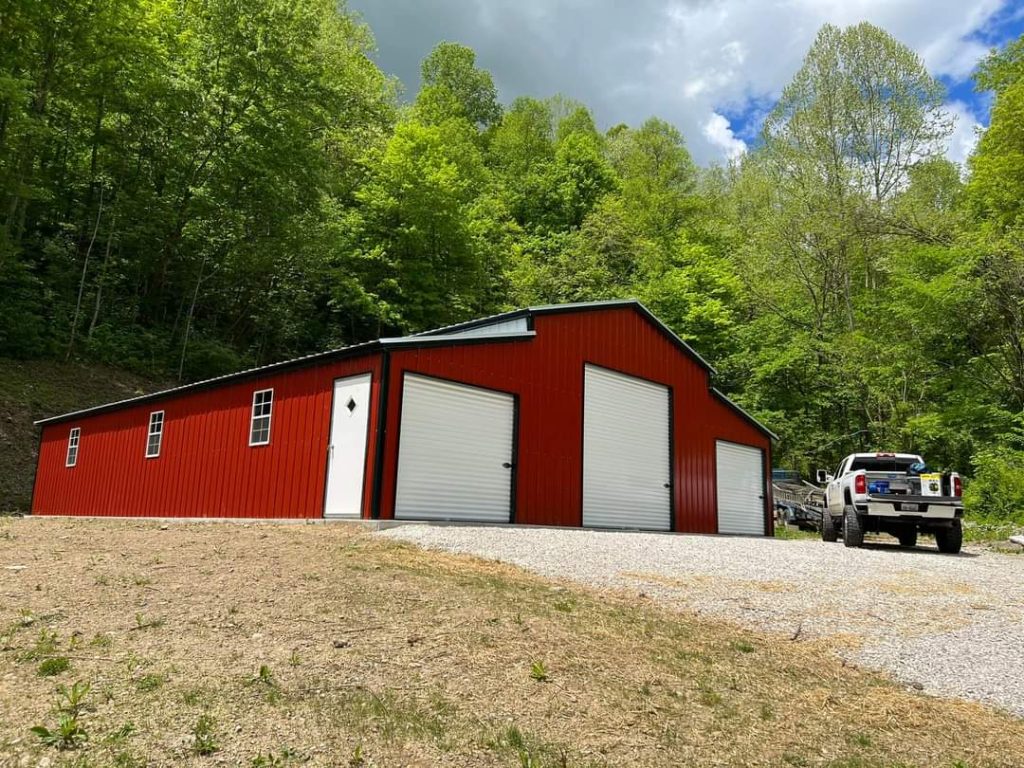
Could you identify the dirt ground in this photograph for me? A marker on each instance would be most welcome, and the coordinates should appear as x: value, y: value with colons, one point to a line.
x: 953, y: 625
x: 279, y: 645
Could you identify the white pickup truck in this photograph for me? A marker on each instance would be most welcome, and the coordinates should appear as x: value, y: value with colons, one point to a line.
x: 887, y: 493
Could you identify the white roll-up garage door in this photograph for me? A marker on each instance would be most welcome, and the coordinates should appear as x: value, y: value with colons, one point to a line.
x: 626, y: 465
x: 740, y: 471
x: 455, y: 452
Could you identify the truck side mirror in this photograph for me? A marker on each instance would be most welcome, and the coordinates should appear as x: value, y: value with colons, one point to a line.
x: 823, y: 477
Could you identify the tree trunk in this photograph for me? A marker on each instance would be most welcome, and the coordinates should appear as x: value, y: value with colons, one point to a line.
x: 188, y: 318
x: 102, y: 278
x: 81, y: 282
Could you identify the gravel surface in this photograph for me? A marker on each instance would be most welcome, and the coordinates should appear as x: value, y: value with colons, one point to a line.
x: 952, y: 625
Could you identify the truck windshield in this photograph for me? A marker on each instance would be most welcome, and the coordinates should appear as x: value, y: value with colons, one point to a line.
x: 881, y: 463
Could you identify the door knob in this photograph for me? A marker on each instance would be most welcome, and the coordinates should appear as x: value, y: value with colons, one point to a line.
x: 507, y: 465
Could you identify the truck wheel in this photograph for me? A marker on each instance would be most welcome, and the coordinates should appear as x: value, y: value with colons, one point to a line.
x: 950, y: 539
x: 853, y: 530
x: 908, y: 537
x: 828, y: 527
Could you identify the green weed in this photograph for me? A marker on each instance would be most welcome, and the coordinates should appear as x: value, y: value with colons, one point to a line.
x: 204, y: 738
x: 101, y: 641
x: 71, y: 701
x: 529, y: 751
x: 565, y: 606
x: 45, y: 645
x: 54, y: 666
x: 121, y: 734
x: 149, y: 682
x: 284, y: 757
x: 192, y: 696
x: 141, y: 622
x: 67, y: 735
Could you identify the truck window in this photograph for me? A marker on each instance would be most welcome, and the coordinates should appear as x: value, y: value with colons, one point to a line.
x: 881, y: 463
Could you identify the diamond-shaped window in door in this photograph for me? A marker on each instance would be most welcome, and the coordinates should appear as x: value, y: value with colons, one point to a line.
x: 351, y: 404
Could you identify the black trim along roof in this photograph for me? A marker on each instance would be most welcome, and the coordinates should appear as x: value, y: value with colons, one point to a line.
x: 740, y: 412
x: 299, y: 362
x: 448, y: 335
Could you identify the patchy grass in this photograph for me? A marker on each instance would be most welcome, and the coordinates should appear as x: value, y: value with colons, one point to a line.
x: 398, y: 656
x: 54, y: 666
x: 792, y: 532
x: 994, y: 534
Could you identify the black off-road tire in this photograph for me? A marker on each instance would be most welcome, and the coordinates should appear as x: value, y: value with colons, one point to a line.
x: 907, y: 537
x: 853, y: 529
x: 829, y: 532
x: 951, y: 539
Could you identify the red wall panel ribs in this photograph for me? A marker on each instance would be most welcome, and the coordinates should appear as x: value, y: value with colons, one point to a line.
x: 207, y: 468
x: 547, y: 374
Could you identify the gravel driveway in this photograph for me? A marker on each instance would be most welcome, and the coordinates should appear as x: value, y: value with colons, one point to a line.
x: 953, y: 625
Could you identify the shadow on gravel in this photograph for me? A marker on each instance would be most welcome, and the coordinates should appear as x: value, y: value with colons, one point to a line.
x: 880, y: 546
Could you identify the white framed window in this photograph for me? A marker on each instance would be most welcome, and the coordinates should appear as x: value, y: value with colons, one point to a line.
x: 262, y: 407
x: 155, y: 436
x: 73, y: 437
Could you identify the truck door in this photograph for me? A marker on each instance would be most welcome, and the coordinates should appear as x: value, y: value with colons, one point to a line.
x: 835, y: 491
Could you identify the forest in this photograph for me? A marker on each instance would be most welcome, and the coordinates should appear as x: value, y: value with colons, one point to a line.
x: 189, y: 189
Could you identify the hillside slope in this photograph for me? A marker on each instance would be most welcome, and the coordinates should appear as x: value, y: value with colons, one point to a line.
x: 40, y: 388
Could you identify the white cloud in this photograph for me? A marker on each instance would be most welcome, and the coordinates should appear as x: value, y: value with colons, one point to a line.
x: 686, y: 61
x: 744, y: 51
x: 965, y: 133
x: 718, y: 131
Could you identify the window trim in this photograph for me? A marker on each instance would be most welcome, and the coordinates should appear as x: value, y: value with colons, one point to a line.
x: 74, y: 439
x: 269, y: 416
x: 158, y: 433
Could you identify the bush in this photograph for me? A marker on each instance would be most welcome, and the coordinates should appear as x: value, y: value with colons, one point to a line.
x: 996, y: 493
x: 207, y: 358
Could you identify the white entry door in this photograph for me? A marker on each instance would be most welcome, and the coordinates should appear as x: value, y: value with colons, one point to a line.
x: 346, y: 453
x: 455, y: 452
x: 626, y: 458
x: 740, y: 479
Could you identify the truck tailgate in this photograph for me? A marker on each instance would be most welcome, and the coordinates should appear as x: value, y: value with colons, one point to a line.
x: 894, y: 505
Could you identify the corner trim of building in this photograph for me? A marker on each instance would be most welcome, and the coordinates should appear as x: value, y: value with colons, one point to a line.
x: 383, y: 395
x: 35, y: 475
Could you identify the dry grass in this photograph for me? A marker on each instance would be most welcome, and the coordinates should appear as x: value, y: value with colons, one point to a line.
x: 279, y: 645
x: 912, y: 584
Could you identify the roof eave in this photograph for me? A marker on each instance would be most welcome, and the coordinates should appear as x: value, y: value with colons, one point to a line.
x: 405, y: 342
x: 250, y: 373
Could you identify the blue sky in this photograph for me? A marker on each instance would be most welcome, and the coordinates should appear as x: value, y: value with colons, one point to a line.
x: 711, y: 67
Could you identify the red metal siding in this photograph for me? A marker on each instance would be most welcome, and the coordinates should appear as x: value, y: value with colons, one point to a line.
x: 547, y: 374
x: 206, y: 467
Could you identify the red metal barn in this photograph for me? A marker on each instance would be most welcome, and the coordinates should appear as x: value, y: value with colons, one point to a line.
x: 591, y: 415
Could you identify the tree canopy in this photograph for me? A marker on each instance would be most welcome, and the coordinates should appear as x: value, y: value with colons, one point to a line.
x: 192, y: 188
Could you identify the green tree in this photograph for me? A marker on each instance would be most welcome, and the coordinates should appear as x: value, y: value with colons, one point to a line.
x: 819, y: 208
x: 451, y: 68
x: 420, y: 236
